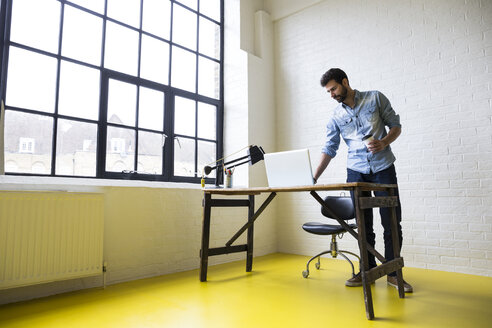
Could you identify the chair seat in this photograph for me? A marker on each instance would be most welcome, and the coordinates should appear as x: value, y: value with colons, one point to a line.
x: 318, y: 228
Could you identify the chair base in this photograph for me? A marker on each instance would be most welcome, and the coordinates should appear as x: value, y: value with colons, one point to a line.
x: 334, y: 251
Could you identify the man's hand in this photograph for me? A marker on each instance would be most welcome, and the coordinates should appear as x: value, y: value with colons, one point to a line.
x: 376, y: 146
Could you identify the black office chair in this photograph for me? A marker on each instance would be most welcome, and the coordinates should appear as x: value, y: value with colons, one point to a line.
x: 344, y: 209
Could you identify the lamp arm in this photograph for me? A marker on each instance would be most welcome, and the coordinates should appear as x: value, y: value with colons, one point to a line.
x: 239, y: 163
x: 238, y: 159
x: 228, y: 163
x: 255, y: 154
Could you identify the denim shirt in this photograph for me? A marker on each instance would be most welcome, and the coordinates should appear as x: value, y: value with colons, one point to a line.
x: 371, y: 113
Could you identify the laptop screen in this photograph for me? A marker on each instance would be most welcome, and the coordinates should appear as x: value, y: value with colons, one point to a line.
x: 289, y: 168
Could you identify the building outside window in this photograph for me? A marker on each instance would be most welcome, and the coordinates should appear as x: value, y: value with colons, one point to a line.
x: 112, y: 89
x: 86, y: 145
x: 26, y: 145
x: 118, y: 145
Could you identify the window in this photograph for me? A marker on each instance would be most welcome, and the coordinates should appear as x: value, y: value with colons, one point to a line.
x: 26, y: 145
x: 118, y: 145
x: 112, y: 89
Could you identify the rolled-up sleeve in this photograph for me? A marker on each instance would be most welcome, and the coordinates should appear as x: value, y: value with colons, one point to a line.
x: 332, y: 139
x: 388, y: 114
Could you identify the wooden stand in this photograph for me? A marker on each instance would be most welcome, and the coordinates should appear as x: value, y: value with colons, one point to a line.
x: 361, y: 203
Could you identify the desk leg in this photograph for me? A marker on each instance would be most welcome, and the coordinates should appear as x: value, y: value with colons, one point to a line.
x: 396, y: 245
x: 249, y: 254
x: 364, y: 265
x: 207, y: 198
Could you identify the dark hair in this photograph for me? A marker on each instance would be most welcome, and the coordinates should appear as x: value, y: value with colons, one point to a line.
x: 333, y: 74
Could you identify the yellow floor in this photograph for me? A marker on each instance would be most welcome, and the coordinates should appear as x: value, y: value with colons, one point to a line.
x: 274, y: 295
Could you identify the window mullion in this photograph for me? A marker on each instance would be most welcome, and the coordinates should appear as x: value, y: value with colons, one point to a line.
x: 57, y: 91
x: 220, y: 107
x: 103, y: 105
x: 137, y: 131
x: 5, y: 18
x: 168, y: 158
x: 102, y: 126
x: 170, y: 44
x: 196, y: 87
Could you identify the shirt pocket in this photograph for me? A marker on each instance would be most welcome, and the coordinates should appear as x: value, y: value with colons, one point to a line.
x: 347, y: 125
x: 370, y: 114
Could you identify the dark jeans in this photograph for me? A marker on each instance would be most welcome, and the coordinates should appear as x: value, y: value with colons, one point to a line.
x: 387, y: 176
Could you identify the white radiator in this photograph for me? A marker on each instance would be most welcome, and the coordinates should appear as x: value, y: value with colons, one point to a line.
x: 49, y: 236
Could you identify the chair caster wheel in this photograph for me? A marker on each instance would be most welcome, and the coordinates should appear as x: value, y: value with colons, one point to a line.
x: 305, y: 274
x: 317, y: 265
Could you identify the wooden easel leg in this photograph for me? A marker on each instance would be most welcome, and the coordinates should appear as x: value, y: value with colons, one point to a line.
x: 396, y: 246
x: 250, y: 237
x: 205, y: 236
x: 362, y: 240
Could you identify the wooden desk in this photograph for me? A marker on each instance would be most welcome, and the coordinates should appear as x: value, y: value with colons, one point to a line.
x: 361, y: 203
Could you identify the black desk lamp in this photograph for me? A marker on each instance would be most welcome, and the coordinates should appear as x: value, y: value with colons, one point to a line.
x: 255, y: 154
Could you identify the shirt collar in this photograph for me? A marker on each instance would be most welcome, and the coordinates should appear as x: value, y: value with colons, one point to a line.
x: 356, y: 100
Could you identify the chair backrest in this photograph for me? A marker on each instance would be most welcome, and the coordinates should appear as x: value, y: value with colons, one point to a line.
x: 340, y: 206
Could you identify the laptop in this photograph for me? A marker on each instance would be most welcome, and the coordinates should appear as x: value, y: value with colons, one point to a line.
x: 289, y: 168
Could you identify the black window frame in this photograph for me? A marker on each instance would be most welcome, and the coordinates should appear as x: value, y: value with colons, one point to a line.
x: 106, y: 74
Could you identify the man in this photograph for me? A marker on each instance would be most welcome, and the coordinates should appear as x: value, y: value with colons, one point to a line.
x: 361, y: 114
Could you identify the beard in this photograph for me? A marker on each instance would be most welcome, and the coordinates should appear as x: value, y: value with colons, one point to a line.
x: 343, y: 94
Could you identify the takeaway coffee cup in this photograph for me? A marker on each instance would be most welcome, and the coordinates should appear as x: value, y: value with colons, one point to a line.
x: 366, y: 139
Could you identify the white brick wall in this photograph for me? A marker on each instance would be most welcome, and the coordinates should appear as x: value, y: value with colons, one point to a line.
x: 433, y: 60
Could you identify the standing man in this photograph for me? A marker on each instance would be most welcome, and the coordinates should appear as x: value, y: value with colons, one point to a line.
x: 359, y: 115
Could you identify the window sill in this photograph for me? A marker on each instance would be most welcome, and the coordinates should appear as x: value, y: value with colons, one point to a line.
x: 28, y: 183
